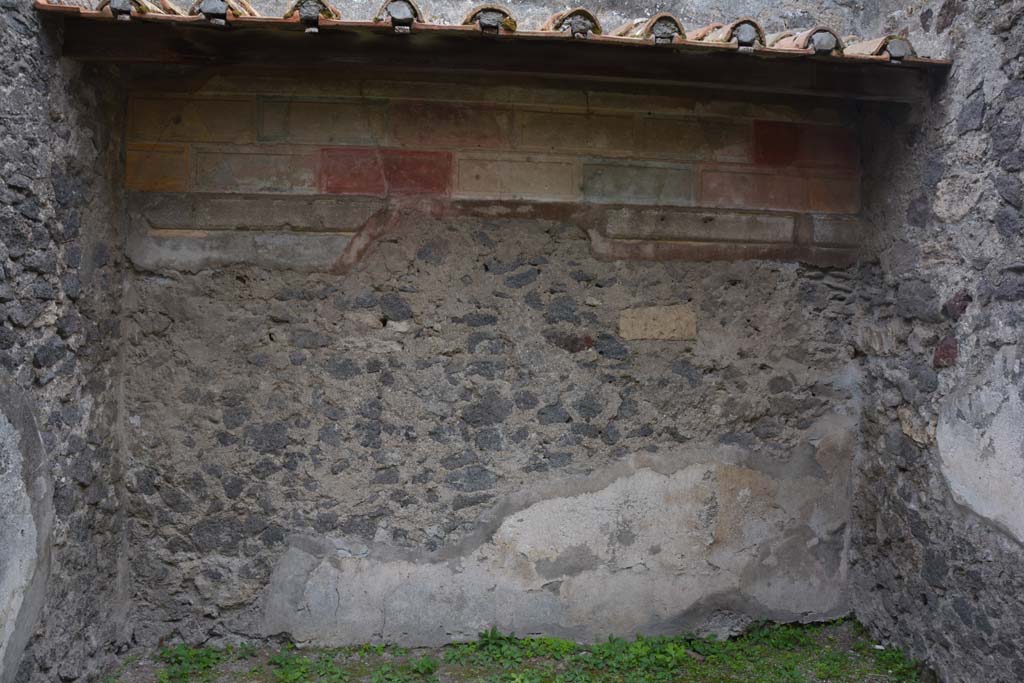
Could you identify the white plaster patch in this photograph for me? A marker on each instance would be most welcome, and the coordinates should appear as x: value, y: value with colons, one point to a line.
x: 17, y: 534
x: 632, y: 556
x: 981, y: 445
x: 618, y: 523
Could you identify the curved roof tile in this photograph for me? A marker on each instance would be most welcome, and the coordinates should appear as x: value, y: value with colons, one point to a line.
x: 819, y: 39
x: 664, y: 28
x: 661, y: 28
x: 490, y: 18
x: 896, y: 47
x: 578, y: 21
x: 400, y: 13
x: 744, y: 32
x: 704, y: 31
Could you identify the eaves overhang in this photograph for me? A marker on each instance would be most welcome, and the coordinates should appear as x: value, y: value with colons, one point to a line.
x: 737, y: 56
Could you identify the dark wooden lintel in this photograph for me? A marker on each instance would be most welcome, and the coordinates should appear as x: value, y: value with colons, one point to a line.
x: 361, y: 47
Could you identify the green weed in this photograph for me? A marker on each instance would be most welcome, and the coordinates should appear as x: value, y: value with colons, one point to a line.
x: 831, y: 665
x: 424, y: 666
x: 840, y: 652
x: 390, y: 673
x: 495, y: 647
x: 186, y: 664
x: 897, y: 665
x: 243, y: 651
x: 291, y: 667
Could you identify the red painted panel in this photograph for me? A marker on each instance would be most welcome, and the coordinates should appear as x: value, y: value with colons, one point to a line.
x: 382, y: 172
x: 352, y: 170
x: 417, y: 172
x: 778, y: 143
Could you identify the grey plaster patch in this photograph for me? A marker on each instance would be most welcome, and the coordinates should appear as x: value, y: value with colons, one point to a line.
x: 192, y: 252
x: 572, y: 561
x: 716, y: 527
x: 26, y: 519
x: 981, y: 443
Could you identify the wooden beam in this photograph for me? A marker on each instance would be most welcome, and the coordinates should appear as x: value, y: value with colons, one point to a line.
x: 454, y: 49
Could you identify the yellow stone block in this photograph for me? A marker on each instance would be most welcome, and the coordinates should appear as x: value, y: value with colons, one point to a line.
x: 156, y: 168
x: 658, y: 322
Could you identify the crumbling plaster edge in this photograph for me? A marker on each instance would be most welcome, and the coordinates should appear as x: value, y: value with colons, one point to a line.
x: 35, y: 465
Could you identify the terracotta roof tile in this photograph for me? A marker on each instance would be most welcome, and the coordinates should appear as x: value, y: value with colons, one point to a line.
x: 400, y: 13
x: 577, y: 22
x: 772, y: 39
x: 743, y: 34
x: 818, y: 39
x: 123, y: 8
x: 661, y: 28
x: 490, y: 18
x: 704, y: 31
x: 896, y: 47
x: 310, y: 12
x: 170, y: 8
x: 218, y: 10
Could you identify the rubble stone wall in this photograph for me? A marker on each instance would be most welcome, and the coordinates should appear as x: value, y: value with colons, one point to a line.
x: 63, y: 595
x: 483, y: 421
x: 483, y: 417
x: 938, y: 518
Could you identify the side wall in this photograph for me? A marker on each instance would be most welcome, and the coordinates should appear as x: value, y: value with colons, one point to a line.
x: 939, y: 516
x: 481, y: 422
x: 61, y: 592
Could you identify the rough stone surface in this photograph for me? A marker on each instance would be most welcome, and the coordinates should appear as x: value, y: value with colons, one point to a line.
x: 60, y: 286
x: 26, y: 508
x: 459, y: 422
x: 937, y: 555
x: 494, y: 444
